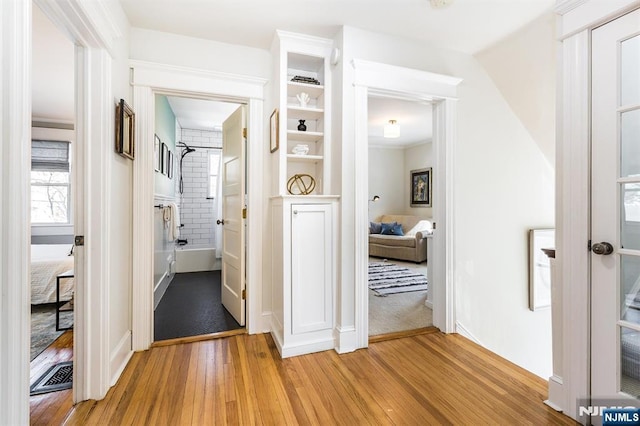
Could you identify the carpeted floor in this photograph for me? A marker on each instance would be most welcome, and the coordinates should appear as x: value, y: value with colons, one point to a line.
x: 398, y: 312
x: 192, y: 306
x: 43, y: 326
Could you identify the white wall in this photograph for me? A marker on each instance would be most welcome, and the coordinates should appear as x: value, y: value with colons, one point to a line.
x: 417, y: 157
x: 387, y: 180
x: 523, y: 67
x: 503, y: 186
x: 120, y: 215
x: 165, y: 48
x: 196, y: 210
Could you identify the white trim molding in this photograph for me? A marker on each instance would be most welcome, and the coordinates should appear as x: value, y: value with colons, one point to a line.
x: 15, y: 124
x: 572, y: 221
x: 409, y: 84
x: 149, y: 79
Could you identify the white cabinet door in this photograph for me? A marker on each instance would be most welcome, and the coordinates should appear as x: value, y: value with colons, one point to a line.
x: 311, y: 268
x: 615, y: 210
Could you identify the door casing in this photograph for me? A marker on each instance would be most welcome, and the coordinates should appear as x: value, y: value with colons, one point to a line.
x: 149, y: 79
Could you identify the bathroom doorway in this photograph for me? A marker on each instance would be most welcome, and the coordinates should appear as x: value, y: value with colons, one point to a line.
x: 188, y: 217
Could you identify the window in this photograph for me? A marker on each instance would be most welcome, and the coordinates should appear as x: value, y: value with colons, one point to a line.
x: 50, y: 182
x: 214, y: 171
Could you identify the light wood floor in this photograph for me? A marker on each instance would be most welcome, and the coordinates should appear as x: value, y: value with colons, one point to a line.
x: 425, y: 379
x: 51, y: 408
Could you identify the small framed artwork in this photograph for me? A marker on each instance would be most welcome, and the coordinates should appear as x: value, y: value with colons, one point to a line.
x: 170, y: 165
x: 156, y: 154
x: 274, y: 142
x: 540, y: 268
x: 421, y: 187
x: 164, y: 169
x: 125, y: 126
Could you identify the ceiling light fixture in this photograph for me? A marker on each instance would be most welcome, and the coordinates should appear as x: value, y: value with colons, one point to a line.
x: 439, y: 4
x: 392, y: 130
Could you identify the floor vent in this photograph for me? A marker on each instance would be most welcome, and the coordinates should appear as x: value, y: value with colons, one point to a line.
x: 57, y: 378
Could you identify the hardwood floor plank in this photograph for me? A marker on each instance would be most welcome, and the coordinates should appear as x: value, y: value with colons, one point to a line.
x: 423, y: 379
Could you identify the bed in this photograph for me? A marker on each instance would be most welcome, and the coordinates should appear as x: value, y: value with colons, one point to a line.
x: 47, y: 262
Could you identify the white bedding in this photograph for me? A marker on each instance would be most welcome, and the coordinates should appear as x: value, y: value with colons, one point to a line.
x: 47, y: 262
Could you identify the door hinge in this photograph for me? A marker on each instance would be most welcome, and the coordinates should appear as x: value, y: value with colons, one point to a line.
x: 244, y: 293
x: 434, y: 225
x: 244, y: 213
x: 589, y: 245
x: 244, y: 132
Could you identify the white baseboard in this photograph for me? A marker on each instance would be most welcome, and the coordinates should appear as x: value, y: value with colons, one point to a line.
x: 428, y: 304
x: 461, y: 330
x: 556, y: 393
x: 346, y: 339
x: 161, y: 288
x: 265, y: 324
x: 307, y: 348
x: 120, y: 357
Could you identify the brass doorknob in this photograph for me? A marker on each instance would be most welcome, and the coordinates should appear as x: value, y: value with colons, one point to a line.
x: 602, y: 249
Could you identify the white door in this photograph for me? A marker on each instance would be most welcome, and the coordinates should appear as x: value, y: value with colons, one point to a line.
x: 233, y: 190
x: 615, y: 209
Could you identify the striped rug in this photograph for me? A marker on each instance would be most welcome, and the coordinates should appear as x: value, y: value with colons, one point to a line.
x: 388, y: 278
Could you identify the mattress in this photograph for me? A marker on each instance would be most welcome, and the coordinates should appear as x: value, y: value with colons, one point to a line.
x: 47, y: 262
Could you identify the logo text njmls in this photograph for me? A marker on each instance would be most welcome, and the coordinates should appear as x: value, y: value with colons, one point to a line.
x: 621, y: 416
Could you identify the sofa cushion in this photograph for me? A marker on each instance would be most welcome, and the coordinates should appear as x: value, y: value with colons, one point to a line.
x: 392, y: 240
x: 375, y: 227
x: 407, y: 221
x: 392, y: 229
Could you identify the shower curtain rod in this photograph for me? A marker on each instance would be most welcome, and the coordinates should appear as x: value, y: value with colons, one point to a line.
x: 202, y: 147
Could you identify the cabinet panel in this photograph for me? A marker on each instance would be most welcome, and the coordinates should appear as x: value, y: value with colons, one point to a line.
x: 311, y: 266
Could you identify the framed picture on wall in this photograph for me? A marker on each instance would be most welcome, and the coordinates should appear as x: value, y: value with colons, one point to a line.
x: 125, y: 125
x: 165, y: 158
x: 157, y: 164
x: 421, y: 187
x: 540, y: 268
x: 273, y: 131
x: 170, y: 166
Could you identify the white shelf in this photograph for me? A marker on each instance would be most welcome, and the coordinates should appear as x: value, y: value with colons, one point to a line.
x: 296, y: 135
x: 306, y: 113
x: 294, y: 88
x: 305, y: 158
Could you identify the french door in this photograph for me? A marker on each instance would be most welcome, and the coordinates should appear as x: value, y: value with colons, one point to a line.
x: 615, y: 210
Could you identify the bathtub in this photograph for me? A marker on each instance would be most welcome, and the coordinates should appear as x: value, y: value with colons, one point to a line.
x: 194, y: 258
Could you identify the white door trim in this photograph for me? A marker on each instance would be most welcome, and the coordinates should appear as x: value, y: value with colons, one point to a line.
x: 388, y: 80
x: 15, y: 233
x: 147, y: 80
x: 92, y: 29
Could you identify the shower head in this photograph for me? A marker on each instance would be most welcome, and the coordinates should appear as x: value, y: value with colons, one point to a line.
x: 186, y: 149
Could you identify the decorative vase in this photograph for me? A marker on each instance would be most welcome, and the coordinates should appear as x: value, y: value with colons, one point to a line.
x: 303, y: 98
x: 302, y: 127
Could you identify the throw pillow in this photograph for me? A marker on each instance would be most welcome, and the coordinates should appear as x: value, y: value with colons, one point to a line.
x: 375, y: 227
x: 393, y: 228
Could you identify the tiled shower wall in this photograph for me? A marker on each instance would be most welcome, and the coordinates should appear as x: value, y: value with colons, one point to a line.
x: 196, y: 211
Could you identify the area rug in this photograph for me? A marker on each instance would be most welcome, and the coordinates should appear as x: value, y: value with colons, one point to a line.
x: 388, y: 278
x: 43, y: 326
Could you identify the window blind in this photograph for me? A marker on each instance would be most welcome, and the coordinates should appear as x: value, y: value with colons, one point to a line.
x: 50, y: 155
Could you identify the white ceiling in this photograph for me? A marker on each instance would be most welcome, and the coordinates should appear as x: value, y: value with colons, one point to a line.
x: 414, y: 119
x: 200, y: 113
x: 465, y: 25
